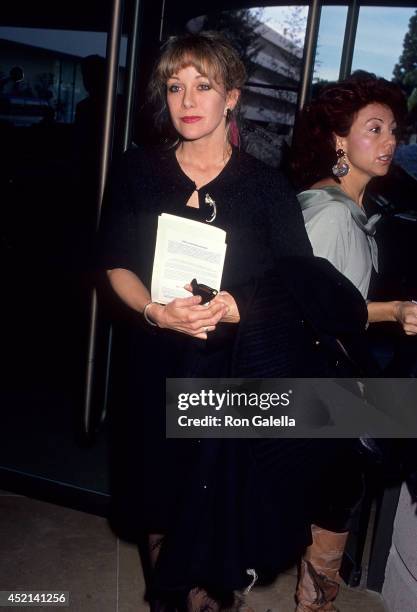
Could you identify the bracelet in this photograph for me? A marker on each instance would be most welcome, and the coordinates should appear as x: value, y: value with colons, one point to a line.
x: 145, y: 316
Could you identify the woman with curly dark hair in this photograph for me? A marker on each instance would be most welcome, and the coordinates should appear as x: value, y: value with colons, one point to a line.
x: 344, y: 138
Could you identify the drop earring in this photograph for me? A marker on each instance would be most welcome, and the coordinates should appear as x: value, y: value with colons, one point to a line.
x: 341, y: 167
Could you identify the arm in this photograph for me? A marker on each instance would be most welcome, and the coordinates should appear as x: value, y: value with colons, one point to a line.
x: 404, y: 313
x: 329, y: 235
x: 328, y: 231
x: 129, y: 288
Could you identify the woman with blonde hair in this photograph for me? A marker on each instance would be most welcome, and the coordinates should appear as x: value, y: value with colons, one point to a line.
x: 205, y: 510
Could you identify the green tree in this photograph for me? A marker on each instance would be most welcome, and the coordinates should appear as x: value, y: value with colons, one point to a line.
x: 295, y: 22
x: 405, y: 71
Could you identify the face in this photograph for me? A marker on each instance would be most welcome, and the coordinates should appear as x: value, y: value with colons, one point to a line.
x: 197, y: 106
x: 371, y: 142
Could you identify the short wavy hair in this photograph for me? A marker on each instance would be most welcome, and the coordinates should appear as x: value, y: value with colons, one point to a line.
x: 332, y: 112
x: 210, y: 53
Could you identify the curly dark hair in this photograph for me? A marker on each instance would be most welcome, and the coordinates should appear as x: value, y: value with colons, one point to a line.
x: 210, y: 53
x: 332, y: 112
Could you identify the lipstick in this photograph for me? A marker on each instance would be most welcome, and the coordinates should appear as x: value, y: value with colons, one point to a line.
x: 190, y: 119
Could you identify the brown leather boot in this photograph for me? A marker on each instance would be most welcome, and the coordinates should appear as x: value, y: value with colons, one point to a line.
x: 319, y: 580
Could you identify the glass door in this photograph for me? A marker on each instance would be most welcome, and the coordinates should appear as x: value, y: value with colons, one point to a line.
x: 51, y: 120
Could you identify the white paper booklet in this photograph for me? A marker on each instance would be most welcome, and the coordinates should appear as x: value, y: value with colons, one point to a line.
x: 184, y: 250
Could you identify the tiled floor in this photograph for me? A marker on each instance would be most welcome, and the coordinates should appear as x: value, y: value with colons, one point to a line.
x: 47, y: 547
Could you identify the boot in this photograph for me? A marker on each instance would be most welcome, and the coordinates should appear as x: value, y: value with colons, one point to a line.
x: 319, y: 580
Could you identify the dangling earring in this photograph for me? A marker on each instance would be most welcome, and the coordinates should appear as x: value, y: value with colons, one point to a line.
x: 234, y: 136
x: 341, y: 168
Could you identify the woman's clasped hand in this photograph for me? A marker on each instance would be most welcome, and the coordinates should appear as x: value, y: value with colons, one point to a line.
x: 188, y: 316
x: 231, y: 314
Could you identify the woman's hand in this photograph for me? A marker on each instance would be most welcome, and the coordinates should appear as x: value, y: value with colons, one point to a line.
x: 188, y: 316
x: 406, y: 315
x: 231, y: 315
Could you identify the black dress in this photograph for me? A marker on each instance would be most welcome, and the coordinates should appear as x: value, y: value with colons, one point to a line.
x: 250, y: 503
x: 167, y: 481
